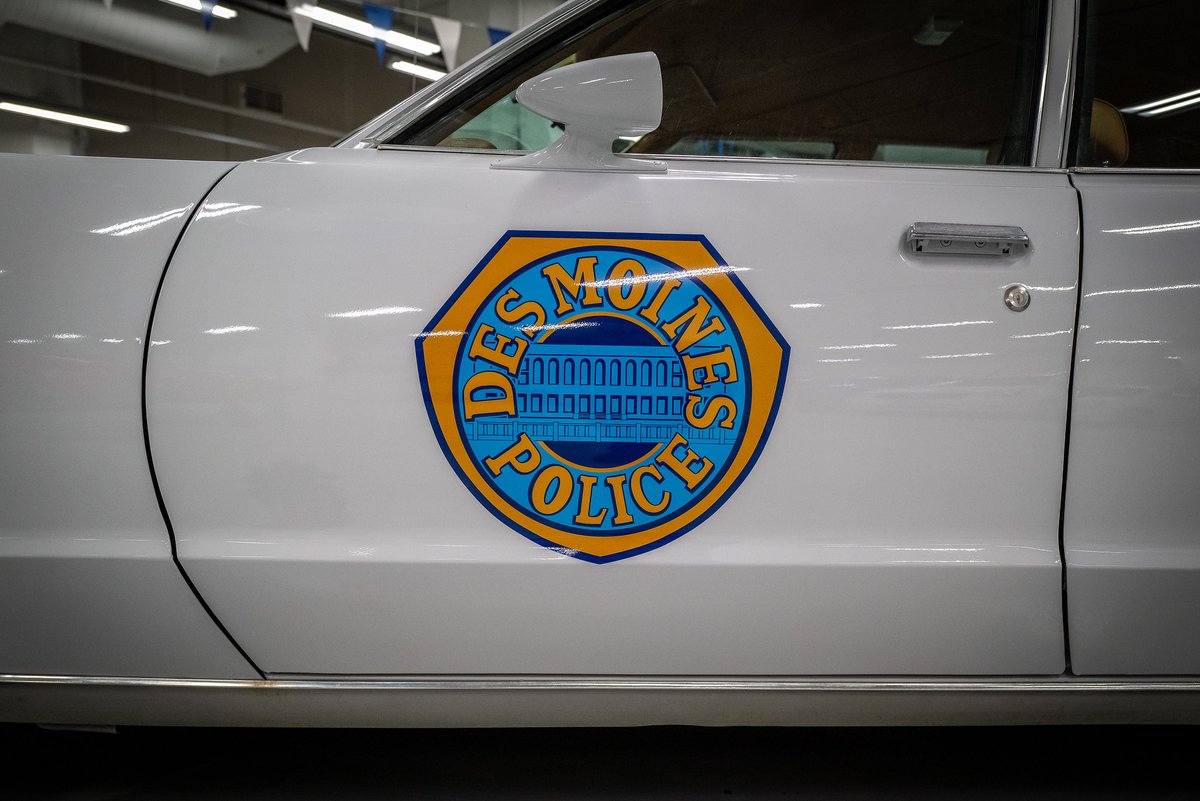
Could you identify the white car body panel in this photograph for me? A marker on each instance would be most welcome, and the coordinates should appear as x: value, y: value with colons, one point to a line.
x: 87, y: 582
x: 1132, y: 516
x: 317, y: 515
x: 900, y: 553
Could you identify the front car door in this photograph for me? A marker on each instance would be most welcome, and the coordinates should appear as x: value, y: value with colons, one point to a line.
x: 357, y: 490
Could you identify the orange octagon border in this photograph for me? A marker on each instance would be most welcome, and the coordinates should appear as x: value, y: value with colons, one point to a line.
x: 766, y: 353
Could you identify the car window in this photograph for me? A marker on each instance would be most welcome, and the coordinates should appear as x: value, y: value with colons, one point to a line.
x: 1140, y: 104
x: 913, y: 81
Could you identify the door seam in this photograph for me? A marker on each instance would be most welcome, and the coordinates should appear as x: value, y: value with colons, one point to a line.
x: 162, y: 507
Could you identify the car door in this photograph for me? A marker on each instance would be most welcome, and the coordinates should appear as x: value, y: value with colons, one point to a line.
x: 837, y: 448
x: 1130, y: 523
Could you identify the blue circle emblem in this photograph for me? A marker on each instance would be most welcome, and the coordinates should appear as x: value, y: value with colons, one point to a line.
x: 602, y: 390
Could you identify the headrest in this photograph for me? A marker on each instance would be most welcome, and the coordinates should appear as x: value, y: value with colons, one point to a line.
x: 1108, y: 141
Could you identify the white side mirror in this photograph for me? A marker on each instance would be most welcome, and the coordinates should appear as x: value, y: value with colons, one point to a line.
x: 597, y: 101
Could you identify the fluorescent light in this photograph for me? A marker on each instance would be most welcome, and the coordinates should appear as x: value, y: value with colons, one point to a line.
x: 417, y: 70
x: 1164, y: 101
x: 1154, y: 112
x: 220, y: 12
x: 69, y: 119
x: 360, y: 27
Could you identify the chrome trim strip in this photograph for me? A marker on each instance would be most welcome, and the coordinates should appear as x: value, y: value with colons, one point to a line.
x: 1041, y: 106
x: 1068, y: 112
x: 673, y: 157
x: 1135, y: 170
x: 1061, y: 684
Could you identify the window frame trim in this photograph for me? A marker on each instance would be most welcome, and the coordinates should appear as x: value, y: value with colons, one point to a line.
x: 1048, y: 136
x: 412, y: 109
x: 1078, y: 97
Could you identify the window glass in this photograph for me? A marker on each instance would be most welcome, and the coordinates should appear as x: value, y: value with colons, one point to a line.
x: 1140, y: 102
x: 913, y: 81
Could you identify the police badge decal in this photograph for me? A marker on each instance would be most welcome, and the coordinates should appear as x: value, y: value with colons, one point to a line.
x: 602, y: 394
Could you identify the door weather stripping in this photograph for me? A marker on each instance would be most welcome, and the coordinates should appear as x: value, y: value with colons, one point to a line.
x: 927, y: 238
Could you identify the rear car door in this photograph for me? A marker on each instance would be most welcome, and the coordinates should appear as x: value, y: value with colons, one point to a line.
x: 1130, y: 524
x: 774, y: 410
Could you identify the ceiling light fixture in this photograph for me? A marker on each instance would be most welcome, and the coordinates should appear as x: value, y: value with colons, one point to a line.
x: 364, y: 29
x: 60, y: 116
x: 220, y: 12
x: 427, y: 73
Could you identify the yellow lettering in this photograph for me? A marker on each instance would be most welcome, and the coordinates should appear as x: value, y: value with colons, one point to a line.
x: 563, y: 284
x: 522, y: 456
x: 707, y: 364
x: 680, y: 465
x: 665, y: 288
x: 497, y: 354
x: 514, y: 314
x: 639, y: 490
x: 539, y: 494
x: 585, y: 517
x: 625, y: 275
x: 616, y: 485
x: 710, y: 413
x: 475, y: 392
x: 692, y: 321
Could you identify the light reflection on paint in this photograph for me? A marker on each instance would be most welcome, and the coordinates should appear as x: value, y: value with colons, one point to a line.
x: 232, y: 329
x: 154, y: 342
x: 142, y: 223
x: 424, y: 334
x: 113, y: 341
x: 934, y: 549
x: 706, y: 175
x: 957, y: 356
x: 1043, y: 334
x: 24, y: 341
x: 937, y: 325
x: 859, y: 347
x: 1131, y: 342
x: 836, y: 361
x: 68, y: 336
x: 808, y: 305
x: 561, y: 326
x: 221, y: 209
x: 377, y: 312
x: 685, y: 275
x: 1164, y: 228
x: 1140, y: 290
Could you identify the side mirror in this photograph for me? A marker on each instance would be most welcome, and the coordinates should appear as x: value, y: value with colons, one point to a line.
x: 597, y: 101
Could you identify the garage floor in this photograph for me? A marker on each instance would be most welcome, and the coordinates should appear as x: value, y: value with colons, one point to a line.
x: 658, y: 763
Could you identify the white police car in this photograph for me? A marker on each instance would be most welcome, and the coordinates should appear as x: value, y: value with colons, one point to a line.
x: 753, y: 362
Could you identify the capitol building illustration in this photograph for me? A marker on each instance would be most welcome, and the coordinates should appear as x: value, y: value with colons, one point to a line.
x: 587, y: 392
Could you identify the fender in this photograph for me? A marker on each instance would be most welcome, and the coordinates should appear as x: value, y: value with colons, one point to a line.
x: 83, y: 246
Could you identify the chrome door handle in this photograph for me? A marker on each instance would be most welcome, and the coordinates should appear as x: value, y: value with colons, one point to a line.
x: 966, y: 240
